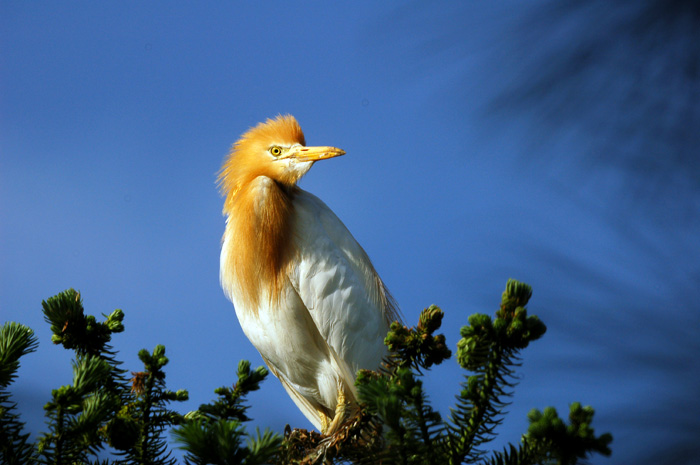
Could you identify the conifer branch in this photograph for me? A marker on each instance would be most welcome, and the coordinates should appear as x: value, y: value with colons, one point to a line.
x: 395, y: 422
x: 565, y: 444
x: 150, y: 409
x: 214, y: 433
x: 15, y: 341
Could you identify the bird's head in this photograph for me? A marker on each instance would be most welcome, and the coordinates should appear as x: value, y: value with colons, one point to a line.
x: 276, y: 149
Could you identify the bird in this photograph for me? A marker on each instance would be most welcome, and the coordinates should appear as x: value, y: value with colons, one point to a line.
x: 305, y: 292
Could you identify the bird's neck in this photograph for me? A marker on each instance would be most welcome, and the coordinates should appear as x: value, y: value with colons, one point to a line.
x: 259, y: 228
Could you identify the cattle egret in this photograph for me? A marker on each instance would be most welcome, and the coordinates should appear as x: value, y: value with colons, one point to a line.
x: 304, y: 291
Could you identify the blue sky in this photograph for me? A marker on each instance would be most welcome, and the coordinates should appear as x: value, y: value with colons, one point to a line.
x: 116, y: 116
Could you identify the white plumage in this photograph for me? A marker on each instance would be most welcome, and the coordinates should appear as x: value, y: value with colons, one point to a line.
x: 311, y: 303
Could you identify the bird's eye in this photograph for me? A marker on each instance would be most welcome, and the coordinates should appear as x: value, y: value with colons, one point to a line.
x: 275, y: 151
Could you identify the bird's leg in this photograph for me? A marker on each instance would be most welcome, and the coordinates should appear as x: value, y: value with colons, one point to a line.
x: 340, y: 410
x: 325, y: 422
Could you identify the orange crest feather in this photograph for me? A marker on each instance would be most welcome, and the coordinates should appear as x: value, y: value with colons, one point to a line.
x: 259, y: 229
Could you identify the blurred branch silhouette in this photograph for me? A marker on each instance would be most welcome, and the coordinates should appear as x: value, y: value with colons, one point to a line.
x: 602, y: 91
x: 626, y: 75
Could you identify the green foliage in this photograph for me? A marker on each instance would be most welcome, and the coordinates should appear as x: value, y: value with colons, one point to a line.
x: 81, y: 333
x: 489, y: 349
x: 101, y: 407
x: 77, y: 331
x: 417, y: 347
x: 230, y: 403
x: 211, y: 441
x: 411, y: 426
x: 76, y: 412
x: 220, y: 442
x: 394, y: 423
x: 214, y: 433
x: 15, y: 341
x: 562, y: 443
x: 396, y: 396
x: 148, y: 413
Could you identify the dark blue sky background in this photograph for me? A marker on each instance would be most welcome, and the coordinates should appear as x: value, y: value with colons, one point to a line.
x: 555, y: 143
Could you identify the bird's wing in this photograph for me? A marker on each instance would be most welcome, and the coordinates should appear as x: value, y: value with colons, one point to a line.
x: 340, y: 288
x: 308, y: 408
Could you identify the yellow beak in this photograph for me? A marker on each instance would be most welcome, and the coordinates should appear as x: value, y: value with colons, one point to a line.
x: 302, y: 153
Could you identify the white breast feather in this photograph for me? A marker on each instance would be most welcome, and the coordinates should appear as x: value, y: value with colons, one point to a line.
x: 330, y: 321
